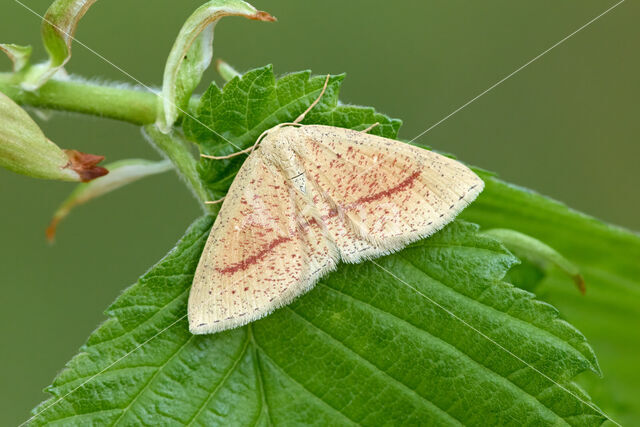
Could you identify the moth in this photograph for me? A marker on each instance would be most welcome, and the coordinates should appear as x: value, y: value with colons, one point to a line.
x: 308, y: 197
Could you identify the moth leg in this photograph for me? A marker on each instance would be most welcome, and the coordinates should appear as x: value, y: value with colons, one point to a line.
x: 370, y: 127
x: 215, y: 202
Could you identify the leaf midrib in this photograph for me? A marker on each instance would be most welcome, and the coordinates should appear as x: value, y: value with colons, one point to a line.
x: 281, y: 370
x: 224, y: 379
x: 264, y: 407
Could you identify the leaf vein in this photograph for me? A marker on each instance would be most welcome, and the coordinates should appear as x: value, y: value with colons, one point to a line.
x: 517, y: 320
x: 282, y: 371
x: 375, y: 367
x: 465, y: 354
x: 153, y: 377
x: 224, y: 379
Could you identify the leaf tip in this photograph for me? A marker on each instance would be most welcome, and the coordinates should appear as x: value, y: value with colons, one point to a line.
x: 50, y: 232
x: 85, y: 165
x: 263, y: 16
x: 580, y: 283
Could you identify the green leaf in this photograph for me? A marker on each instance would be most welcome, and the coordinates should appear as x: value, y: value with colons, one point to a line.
x: 429, y: 335
x: 191, y: 55
x: 58, y: 28
x: 361, y: 348
x: 255, y: 102
x: 608, y: 257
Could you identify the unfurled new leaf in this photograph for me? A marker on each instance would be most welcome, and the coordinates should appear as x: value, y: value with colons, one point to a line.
x: 24, y: 149
x: 58, y: 28
x: 121, y: 173
x: 533, y: 250
x: 192, y: 52
x: 19, y: 55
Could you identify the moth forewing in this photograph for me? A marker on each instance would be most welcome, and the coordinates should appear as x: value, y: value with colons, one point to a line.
x: 259, y: 255
x: 308, y: 197
x: 391, y: 193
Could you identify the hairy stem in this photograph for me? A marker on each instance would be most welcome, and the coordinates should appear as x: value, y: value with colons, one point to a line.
x: 178, y: 150
x: 135, y: 106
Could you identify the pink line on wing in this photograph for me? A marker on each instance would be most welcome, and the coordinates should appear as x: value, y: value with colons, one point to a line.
x: 253, y: 259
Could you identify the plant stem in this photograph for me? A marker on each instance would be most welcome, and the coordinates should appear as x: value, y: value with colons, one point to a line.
x: 134, y: 106
x: 177, y: 149
x: 130, y: 105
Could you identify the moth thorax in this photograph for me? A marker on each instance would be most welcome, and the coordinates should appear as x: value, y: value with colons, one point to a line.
x: 278, y: 149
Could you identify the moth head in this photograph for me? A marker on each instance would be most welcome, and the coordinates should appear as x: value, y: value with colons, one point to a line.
x: 280, y: 137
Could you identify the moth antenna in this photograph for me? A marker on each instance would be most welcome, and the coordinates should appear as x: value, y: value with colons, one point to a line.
x: 215, y: 202
x: 370, y: 127
x: 295, y: 122
x: 246, y: 150
x: 324, y: 88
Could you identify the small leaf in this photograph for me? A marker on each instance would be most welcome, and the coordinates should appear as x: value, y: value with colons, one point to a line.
x: 257, y: 101
x: 58, y: 28
x: 534, y: 250
x: 24, y: 149
x: 121, y: 173
x: 226, y: 71
x: 191, y: 55
x: 19, y: 55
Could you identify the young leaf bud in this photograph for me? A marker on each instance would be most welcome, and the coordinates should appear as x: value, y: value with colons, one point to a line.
x: 58, y: 27
x: 24, y: 149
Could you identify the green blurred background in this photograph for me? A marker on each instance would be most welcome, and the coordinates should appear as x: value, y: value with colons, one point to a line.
x: 566, y: 126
